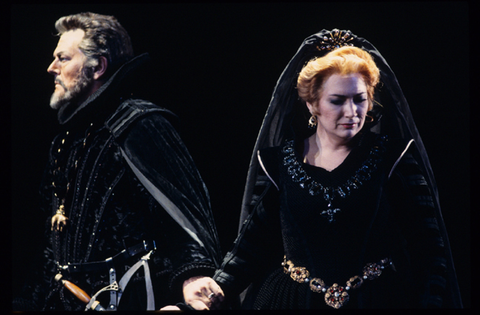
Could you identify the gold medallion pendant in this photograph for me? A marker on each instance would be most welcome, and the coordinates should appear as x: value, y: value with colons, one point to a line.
x: 59, y: 220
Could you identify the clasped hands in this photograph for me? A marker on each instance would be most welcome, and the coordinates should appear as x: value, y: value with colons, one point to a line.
x: 201, y: 293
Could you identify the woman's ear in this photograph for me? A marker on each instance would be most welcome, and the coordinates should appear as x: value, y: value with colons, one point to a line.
x: 101, y: 68
x: 311, y: 108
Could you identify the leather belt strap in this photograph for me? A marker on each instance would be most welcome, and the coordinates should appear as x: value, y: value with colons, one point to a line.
x: 119, y: 288
x: 108, y: 263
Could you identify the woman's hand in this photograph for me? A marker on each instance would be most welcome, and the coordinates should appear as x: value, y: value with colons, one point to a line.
x: 170, y: 308
x: 202, y: 293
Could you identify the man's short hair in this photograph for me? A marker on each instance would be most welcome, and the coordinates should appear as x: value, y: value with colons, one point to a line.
x: 104, y: 36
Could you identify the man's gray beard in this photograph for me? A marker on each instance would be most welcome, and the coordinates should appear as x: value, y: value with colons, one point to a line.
x: 82, y: 82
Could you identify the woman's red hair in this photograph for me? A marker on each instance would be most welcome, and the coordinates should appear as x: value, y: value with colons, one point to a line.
x: 343, y: 61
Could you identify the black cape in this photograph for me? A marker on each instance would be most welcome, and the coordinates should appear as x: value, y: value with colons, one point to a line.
x: 190, y: 207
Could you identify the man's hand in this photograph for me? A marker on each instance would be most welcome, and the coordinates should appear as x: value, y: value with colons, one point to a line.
x: 202, y: 293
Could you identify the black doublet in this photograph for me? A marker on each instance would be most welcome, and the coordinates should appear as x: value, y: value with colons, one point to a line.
x: 110, y: 209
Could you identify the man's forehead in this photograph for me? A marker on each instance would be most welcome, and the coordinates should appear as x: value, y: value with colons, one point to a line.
x: 69, y: 41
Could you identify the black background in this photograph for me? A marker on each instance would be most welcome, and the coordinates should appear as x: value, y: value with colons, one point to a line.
x: 215, y: 66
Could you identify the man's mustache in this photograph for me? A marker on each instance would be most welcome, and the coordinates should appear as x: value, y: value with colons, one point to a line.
x: 61, y: 83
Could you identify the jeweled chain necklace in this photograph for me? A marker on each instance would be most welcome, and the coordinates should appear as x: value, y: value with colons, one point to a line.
x: 336, y: 295
x: 363, y: 174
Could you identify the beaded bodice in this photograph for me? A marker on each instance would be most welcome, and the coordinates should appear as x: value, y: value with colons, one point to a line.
x: 331, y: 243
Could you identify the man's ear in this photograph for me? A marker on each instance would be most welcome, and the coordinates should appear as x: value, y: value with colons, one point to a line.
x: 101, y: 68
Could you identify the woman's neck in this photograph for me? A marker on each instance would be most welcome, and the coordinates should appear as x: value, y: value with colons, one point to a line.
x: 325, y: 153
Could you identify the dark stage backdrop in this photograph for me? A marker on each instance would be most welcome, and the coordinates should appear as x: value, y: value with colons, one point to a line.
x: 215, y: 66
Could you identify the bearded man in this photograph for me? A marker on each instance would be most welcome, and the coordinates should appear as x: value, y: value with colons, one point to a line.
x: 129, y: 218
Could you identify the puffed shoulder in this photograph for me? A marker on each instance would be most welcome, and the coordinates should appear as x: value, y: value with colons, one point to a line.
x: 131, y: 111
x: 268, y: 159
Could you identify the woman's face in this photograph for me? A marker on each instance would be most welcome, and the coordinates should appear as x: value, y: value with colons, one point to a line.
x: 341, y: 108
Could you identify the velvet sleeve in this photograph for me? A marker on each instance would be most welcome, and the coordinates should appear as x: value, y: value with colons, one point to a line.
x: 164, y: 166
x: 257, y: 248
x: 424, y: 253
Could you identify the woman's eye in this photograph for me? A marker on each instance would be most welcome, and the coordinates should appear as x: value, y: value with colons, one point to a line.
x: 337, y: 102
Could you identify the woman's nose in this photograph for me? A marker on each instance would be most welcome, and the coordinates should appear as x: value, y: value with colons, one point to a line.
x: 350, y: 109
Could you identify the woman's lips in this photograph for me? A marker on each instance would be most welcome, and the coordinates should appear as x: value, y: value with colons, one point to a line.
x: 348, y: 125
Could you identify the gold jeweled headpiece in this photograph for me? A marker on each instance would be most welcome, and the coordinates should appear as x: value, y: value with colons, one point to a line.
x: 337, y: 39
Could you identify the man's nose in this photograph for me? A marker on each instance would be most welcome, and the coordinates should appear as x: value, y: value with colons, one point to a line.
x: 52, y: 68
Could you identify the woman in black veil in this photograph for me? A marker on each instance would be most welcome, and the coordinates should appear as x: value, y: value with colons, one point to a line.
x: 366, y: 233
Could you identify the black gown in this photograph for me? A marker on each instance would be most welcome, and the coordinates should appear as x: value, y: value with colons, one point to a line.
x: 395, y: 214
x: 370, y: 225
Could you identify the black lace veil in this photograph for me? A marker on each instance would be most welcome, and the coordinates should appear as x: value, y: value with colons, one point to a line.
x: 391, y: 112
